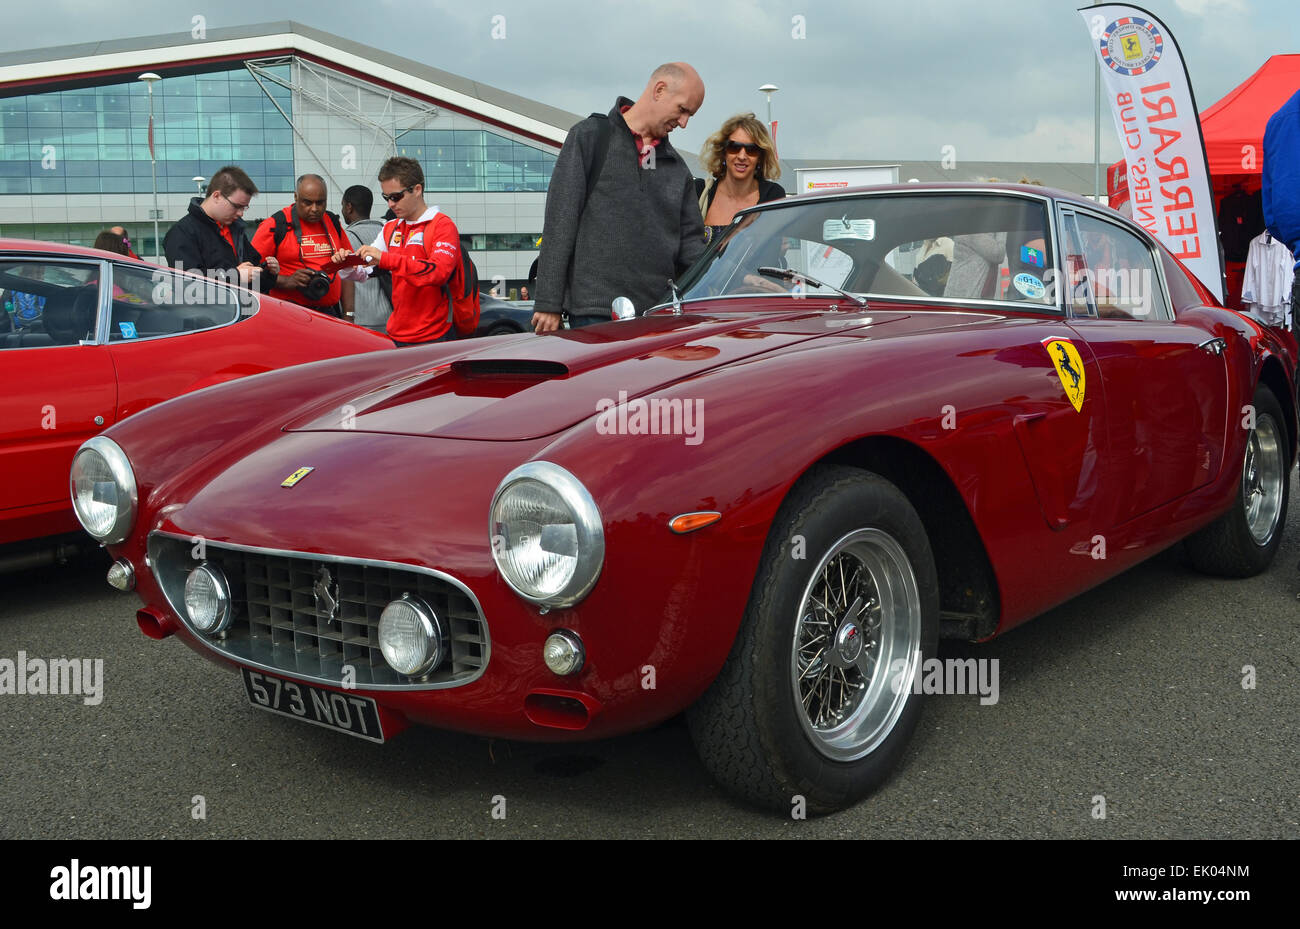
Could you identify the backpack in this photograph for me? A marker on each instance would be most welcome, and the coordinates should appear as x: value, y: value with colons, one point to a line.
x: 603, y: 131
x: 462, y: 294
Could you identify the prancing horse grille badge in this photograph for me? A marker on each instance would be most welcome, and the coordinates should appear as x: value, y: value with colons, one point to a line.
x: 327, y: 595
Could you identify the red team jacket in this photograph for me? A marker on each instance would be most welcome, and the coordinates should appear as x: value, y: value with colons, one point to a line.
x: 422, y: 257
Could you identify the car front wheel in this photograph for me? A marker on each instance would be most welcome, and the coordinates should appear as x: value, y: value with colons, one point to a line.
x: 814, y: 706
x: 1243, y: 541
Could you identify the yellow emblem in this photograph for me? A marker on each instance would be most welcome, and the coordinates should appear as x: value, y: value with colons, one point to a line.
x: 296, y: 476
x: 1069, y: 368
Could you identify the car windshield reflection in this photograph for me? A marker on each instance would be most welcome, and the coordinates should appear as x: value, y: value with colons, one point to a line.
x: 939, y: 248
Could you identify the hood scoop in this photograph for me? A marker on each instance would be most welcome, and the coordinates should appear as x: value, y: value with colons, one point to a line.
x: 521, y: 368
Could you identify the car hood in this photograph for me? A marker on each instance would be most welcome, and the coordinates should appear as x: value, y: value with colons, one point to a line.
x: 523, y: 387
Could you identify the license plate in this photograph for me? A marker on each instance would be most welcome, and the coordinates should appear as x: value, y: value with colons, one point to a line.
x: 358, y: 716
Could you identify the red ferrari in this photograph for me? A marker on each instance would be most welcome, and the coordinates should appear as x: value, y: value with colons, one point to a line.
x: 862, y: 422
x: 88, y: 338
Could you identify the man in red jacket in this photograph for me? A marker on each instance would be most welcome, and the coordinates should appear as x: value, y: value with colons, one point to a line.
x: 421, y: 249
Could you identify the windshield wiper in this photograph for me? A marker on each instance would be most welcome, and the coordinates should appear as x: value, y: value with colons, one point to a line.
x: 788, y: 274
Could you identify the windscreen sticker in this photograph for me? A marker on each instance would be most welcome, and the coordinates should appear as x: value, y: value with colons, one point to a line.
x: 1030, y: 286
x: 1069, y: 368
x: 128, y: 330
x: 1031, y: 256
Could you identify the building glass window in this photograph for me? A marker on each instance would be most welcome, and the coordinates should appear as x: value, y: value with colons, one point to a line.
x: 95, y: 139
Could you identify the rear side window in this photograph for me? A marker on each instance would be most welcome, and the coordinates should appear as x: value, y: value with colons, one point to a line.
x: 1182, y: 291
x: 150, y: 302
x: 1115, y: 268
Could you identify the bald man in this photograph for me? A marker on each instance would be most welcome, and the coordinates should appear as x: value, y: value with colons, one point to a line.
x: 304, y: 237
x: 622, y: 215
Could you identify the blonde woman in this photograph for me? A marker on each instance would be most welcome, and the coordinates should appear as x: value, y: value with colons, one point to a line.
x: 741, y: 161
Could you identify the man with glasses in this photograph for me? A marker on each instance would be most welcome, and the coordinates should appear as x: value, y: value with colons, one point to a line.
x: 211, y: 240
x: 421, y: 249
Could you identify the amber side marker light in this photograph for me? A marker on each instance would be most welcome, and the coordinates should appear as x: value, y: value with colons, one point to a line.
x: 689, y: 522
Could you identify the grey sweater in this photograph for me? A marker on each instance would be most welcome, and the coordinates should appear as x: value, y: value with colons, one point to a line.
x: 641, y: 227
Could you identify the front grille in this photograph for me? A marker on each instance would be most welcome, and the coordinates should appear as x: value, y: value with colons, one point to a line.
x: 277, y: 625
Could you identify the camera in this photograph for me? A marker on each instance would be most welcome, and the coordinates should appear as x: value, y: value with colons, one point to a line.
x: 317, y: 287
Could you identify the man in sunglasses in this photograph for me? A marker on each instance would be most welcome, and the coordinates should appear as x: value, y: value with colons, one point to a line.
x: 211, y: 239
x: 622, y: 215
x: 421, y: 249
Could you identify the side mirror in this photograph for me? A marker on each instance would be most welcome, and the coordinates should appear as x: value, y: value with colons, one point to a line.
x: 622, y: 308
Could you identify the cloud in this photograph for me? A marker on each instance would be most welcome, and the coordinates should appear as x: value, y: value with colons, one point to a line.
x: 1212, y: 7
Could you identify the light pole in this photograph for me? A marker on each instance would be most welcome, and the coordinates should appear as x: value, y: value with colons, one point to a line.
x: 198, y: 179
x: 769, y: 89
x: 149, y: 77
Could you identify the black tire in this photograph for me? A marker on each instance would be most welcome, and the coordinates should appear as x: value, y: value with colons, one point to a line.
x: 1229, y: 546
x: 751, y: 730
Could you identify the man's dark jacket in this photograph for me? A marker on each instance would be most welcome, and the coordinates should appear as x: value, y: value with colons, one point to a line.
x: 196, y: 244
x: 641, y: 226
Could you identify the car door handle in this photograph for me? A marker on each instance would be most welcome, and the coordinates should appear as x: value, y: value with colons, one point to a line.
x: 1215, y: 345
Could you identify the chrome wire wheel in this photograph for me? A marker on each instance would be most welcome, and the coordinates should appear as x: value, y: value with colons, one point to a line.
x: 856, y: 642
x: 1263, y: 479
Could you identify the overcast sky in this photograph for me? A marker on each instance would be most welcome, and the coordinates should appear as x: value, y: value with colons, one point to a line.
x: 873, y: 80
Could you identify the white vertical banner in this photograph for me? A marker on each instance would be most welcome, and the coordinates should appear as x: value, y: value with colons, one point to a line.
x: 1155, y: 115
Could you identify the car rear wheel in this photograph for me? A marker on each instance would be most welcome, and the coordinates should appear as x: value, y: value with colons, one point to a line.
x: 1243, y: 541
x: 815, y: 700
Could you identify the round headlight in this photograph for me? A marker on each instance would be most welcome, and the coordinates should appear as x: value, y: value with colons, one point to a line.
x: 207, y: 599
x: 546, y: 535
x: 410, y: 636
x: 103, y: 489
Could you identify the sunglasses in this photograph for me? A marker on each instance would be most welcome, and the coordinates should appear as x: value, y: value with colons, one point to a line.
x: 751, y: 148
x: 393, y: 198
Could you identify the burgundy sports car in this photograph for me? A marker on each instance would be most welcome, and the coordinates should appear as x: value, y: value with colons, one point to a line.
x: 862, y: 422
x: 88, y: 338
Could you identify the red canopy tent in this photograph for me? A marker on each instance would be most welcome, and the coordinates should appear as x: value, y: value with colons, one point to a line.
x: 1234, y: 139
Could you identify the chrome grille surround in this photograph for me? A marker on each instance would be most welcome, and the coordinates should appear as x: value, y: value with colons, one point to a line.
x: 277, y: 628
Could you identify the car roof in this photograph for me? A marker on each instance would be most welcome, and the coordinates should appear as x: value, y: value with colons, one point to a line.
x: 32, y: 246
x: 954, y: 187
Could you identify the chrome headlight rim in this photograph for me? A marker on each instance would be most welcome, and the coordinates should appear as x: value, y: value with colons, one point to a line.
x: 586, y: 519
x: 435, y: 635
x: 123, y: 476
x: 225, y: 613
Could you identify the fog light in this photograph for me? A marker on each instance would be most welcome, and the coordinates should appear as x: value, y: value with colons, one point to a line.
x: 121, y: 575
x: 563, y: 652
x: 207, y: 599
x: 410, y: 636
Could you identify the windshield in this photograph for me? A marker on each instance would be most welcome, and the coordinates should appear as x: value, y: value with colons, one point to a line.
x: 969, y: 246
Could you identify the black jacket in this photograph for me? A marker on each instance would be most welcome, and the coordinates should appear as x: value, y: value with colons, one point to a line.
x: 767, y: 191
x: 195, y: 243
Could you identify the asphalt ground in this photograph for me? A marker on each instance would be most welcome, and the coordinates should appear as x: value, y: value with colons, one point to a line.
x: 1132, y: 693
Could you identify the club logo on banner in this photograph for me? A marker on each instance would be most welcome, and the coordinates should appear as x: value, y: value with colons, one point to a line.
x: 1131, y: 46
x: 1155, y: 115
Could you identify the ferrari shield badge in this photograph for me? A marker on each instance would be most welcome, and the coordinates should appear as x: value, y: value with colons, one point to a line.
x: 1069, y: 368
x: 296, y: 476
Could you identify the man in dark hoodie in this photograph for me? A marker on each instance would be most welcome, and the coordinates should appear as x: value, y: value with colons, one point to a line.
x: 641, y: 224
x: 211, y: 239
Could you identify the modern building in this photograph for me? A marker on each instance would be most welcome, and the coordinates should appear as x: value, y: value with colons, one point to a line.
x: 282, y: 100
x: 279, y: 100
